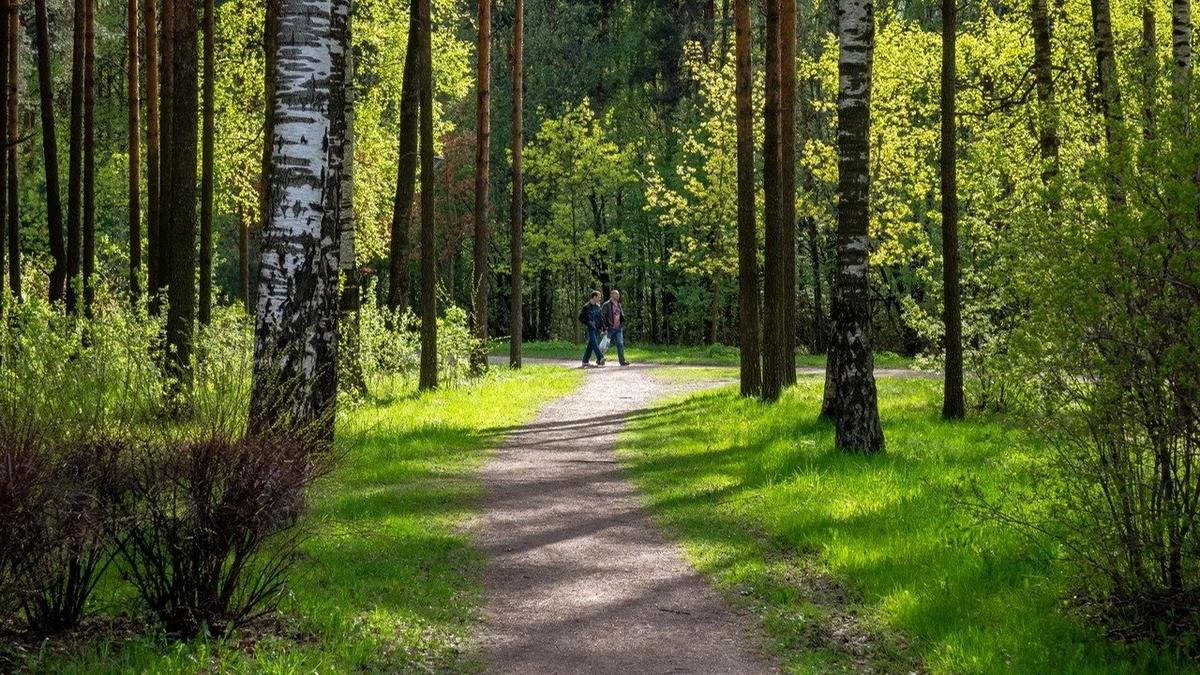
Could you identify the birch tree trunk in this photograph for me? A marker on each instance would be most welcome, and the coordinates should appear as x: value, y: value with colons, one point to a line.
x: 429, y: 374
x: 858, y: 428
x: 89, y: 158
x: 351, y: 302
x: 206, y: 165
x: 406, y: 169
x: 296, y: 328
x: 483, y: 131
x: 953, y: 405
x: 1148, y: 56
x: 75, y: 158
x: 773, y: 315
x: 517, y: 207
x: 14, y: 93
x: 133, y: 108
x: 54, y: 216
x: 1181, y: 49
x: 748, y: 324
x: 153, y: 184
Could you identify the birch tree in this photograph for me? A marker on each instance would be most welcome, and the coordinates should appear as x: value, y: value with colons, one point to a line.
x: 296, y: 325
x: 517, y: 207
x: 1110, y: 99
x: 858, y: 428
x: 351, y: 301
x: 748, y: 328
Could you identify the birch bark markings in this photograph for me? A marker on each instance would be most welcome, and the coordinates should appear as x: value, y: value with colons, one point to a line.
x: 295, y: 334
x: 858, y: 428
x: 54, y: 216
x: 748, y: 329
x: 517, y: 207
x: 1110, y: 99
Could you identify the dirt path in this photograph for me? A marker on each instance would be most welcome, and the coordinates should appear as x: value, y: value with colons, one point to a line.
x: 578, y: 579
x: 901, y: 373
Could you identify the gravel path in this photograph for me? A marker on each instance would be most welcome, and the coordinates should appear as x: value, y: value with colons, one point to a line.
x: 578, y: 579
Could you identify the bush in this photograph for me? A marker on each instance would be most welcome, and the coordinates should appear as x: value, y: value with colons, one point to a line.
x: 214, y: 523
x: 390, y: 343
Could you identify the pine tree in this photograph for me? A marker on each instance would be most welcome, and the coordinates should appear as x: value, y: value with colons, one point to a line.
x: 133, y: 108
x: 54, y: 216
x: 748, y: 323
x: 953, y: 406
x: 517, y: 207
x: 483, y: 131
x: 406, y: 169
x: 429, y: 374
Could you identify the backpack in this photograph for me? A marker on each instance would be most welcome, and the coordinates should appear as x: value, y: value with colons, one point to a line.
x: 585, y: 316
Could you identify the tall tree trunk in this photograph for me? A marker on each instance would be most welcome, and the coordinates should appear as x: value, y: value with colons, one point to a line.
x: 351, y: 302
x: 953, y: 406
x: 270, y: 52
x: 483, y: 132
x: 153, y: 151
x: 89, y: 158
x: 166, y: 77
x: 1181, y: 49
x: 517, y: 207
x: 858, y: 428
x: 406, y: 169
x: 75, y: 160
x: 1110, y: 100
x: 133, y: 105
x: 429, y: 374
x: 54, y: 216
x: 774, y: 314
x: 206, y: 166
x: 748, y: 324
x: 14, y: 93
x: 1043, y: 72
x: 1148, y: 55
x: 4, y: 53
x: 296, y: 327
x: 243, y: 282
x: 785, y: 242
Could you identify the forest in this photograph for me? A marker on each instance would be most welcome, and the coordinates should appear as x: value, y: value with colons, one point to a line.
x: 910, y: 291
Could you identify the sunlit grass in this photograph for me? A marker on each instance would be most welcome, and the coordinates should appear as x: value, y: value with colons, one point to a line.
x: 389, y: 583
x: 854, y: 561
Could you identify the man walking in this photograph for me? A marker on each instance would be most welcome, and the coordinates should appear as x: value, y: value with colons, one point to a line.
x: 590, y: 316
x: 614, y: 323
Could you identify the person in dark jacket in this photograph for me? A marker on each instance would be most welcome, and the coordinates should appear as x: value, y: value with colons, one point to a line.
x: 590, y: 316
x: 614, y: 323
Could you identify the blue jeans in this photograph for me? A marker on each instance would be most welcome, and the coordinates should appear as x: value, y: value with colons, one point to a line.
x: 616, y: 337
x: 593, y: 345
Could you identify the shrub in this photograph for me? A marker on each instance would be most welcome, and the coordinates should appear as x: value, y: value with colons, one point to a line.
x: 390, y: 343
x: 214, y: 524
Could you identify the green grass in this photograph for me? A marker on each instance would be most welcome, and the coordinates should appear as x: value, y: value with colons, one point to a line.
x: 854, y: 561
x: 389, y: 583
x: 714, y: 355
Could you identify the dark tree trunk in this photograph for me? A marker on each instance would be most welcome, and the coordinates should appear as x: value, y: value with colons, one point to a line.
x: 1110, y: 100
x: 748, y: 325
x: 858, y: 428
x: 774, y: 314
x: 1043, y: 72
x: 89, y: 159
x: 54, y: 216
x: 166, y: 76
x: 1148, y: 55
x: 953, y: 406
x: 351, y: 301
x: 243, y: 287
x: 133, y: 105
x: 270, y: 47
x: 180, y: 239
x: 206, y: 167
x: 785, y: 242
x: 406, y: 170
x: 483, y: 132
x: 429, y: 356
x: 517, y: 207
x: 5, y: 9
x: 14, y: 201
x: 153, y: 156
x: 75, y: 160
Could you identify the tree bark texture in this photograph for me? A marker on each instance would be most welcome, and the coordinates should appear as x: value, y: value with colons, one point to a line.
x: 179, y: 197
x: 517, y: 206
x: 483, y: 132
x: 785, y: 241
x: 54, y: 216
x: 133, y: 110
x: 406, y: 169
x: 204, y: 313
x: 953, y: 405
x: 429, y: 356
x: 774, y: 314
x: 153, y: 154
x: 75, y: 159
x: 749, y: 332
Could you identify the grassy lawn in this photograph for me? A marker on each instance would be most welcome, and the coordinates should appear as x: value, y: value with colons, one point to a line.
x: 856, y: 562
x: 389, y: 583
x: 714, y: 355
